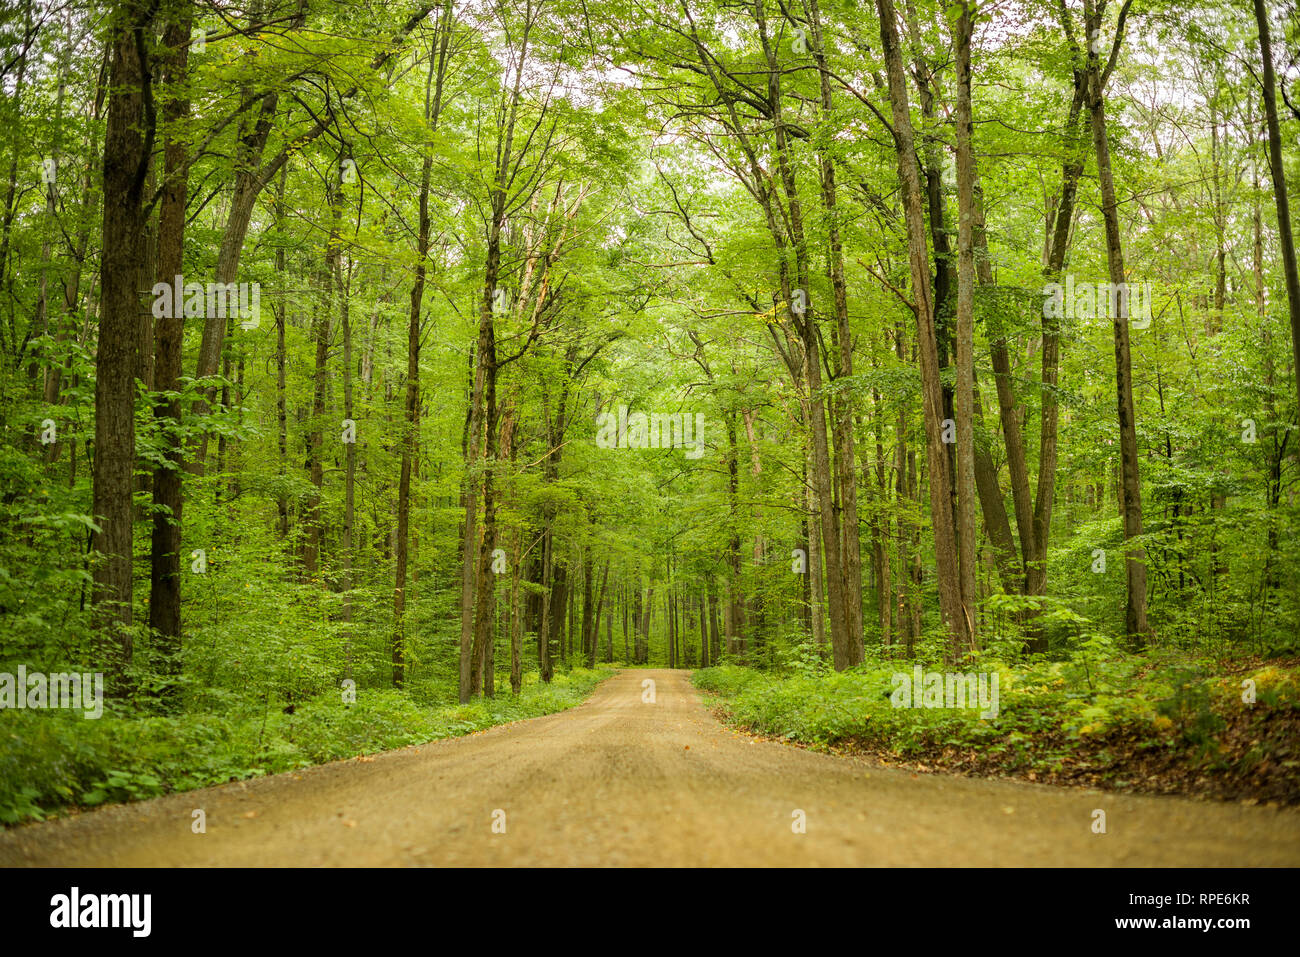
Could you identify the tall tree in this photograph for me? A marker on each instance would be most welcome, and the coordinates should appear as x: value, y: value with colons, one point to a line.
x: 433, y: 88
x: 165, y: 557
x: 965, y: 398
x: 941, y: 513
x: 1290, y: 273
x: 1135, y: 609
x: 128, y: 145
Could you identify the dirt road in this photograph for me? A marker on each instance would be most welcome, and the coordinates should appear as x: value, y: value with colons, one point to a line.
x: 621, y: 781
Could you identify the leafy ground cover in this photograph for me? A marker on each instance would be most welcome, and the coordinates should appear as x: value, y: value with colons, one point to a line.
x: 1158, y: 722
x: 52, y: 760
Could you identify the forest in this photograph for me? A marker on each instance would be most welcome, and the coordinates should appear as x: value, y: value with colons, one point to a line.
x: 377, y: 371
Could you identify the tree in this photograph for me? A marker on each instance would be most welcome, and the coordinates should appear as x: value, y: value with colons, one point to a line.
x: 945, y: 540
x: 1290, y: 273
x: 128, y: 145
x: 165, y: 551
x: 1135, y: 612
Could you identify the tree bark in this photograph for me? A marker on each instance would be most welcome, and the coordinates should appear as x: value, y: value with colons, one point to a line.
x: 965, y: 400
x: 432, y: 111
x: 845, y: 451
x: 1135, y: 611
x: 165, y: 546
x: 128, y: 144
x: 940, y: 480
x: 1286, y: 238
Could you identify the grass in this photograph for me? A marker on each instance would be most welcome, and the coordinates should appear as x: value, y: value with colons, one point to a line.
x: 1159, y: 723
x: 52, y: 760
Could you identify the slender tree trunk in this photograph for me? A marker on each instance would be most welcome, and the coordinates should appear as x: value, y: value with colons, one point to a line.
x: 902, y: 494
x: 397, y: 648
x: 965, y: 400
x: 845, y: 452
x: 1135, y: 612
x: 588, y: 602
x: 940, y: 480
x: 735, y: 617
x: 670, y: 617
x: 165, y: 557
x: 516, y: 622
x: 816, y: 584
x: 704, y: 631
x: 880, y: 530
x: 1059, y: 225
x: 315, y: 516
x: 350, y: 462
x: 432, y: 111
x: 281, y: 359
x: 643, y: 652
x: 486, y: 592
x: 609, y: 633
x: 544, y: 624
x: 1290, y: 273
x: 595, y: 633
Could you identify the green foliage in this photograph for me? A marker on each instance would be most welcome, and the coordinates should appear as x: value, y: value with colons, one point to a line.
x: 1046, y: 710
x: 644, y: 183
x: 52, y: 759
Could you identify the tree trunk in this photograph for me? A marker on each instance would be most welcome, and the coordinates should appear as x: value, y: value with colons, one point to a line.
x: 432, y: 110
x: 1287, y: 239
x: 315, y: 517
x: 281, y: 357
x: 965, y: 401
x: 486, y: 592
x: 544, y: 624
x: 595, y: 633
x: 516, y: 622
x: 813, y: 573
x: 880, y: 531
x: 128, y: 144
x: 165, y: 557
x: 735, y: 617
x: 643, y: 652
x: 1135, y: 611
x: 940, y: 480
x: 845, y: 452
x: 343, y: 290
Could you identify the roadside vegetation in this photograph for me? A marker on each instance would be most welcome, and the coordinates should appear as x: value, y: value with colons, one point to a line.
x: 55, y: 759
x: 1158, y: 722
